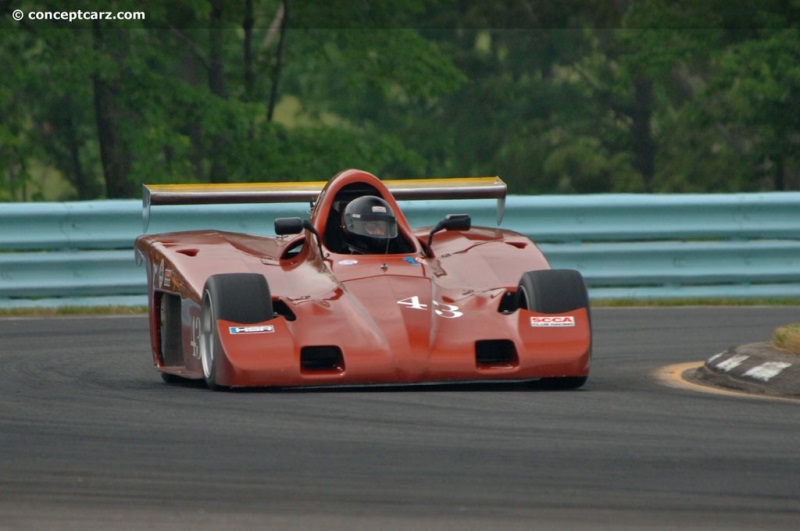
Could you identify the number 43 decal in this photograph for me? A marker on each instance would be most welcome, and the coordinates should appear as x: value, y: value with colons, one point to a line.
x: 448, y: 311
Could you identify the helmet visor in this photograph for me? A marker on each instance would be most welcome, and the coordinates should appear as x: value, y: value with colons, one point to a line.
x: 378, y: 223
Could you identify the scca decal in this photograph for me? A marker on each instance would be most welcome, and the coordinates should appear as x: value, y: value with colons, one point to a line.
x: 555, y: 321
x: 264, y: 329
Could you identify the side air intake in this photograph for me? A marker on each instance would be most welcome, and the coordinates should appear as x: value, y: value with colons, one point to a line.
x: 496, y: 354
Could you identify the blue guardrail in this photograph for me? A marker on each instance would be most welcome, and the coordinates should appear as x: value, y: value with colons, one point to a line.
x: 628, y: 246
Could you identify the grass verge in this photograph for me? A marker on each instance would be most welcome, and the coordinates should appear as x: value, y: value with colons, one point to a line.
x: 73, y: 310
x: 624, y: 303
x: 787, y: 338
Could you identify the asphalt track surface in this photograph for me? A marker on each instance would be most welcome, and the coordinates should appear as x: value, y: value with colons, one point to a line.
x: 91, y: 438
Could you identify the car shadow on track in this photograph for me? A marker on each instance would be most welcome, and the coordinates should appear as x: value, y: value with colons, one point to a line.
x: 494, y: 386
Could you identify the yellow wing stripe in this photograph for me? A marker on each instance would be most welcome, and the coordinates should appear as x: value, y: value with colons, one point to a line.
x: 195, y: 194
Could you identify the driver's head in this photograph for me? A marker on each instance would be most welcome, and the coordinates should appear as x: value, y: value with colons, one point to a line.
x: 379, y: 229
x: 369, y: 224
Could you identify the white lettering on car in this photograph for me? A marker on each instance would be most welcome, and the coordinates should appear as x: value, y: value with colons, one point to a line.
x: 552, y: 321
x: 448, y: 311
x: 413, y: 303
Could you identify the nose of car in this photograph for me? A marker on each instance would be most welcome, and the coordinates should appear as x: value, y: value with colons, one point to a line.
x: 350, y: 267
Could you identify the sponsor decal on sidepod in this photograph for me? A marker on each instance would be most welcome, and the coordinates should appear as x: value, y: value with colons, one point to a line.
x: 554, y: 321
x: 265, y: 329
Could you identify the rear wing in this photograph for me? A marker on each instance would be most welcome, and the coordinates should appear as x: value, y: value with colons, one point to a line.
x: 299, y: 192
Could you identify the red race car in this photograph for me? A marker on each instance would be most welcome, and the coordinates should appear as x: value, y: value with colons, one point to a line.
x: 354, y: 295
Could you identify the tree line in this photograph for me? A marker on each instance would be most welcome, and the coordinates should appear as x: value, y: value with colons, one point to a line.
x: 555, y: 96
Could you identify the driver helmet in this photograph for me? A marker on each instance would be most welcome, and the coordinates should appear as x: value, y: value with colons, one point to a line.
x: 369, y: 224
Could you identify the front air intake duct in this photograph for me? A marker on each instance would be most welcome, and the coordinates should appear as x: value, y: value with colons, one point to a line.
x: 325, y: 358
x: 496, y: 353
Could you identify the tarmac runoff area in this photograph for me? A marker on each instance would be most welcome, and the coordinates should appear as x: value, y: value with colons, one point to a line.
x: 756, y: 369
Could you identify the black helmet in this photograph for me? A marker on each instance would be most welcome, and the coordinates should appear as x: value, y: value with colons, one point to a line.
x: 369, y: 224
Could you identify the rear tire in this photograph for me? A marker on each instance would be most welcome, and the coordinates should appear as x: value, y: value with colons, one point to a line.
x: 238, y: 297
x: 554, y: 291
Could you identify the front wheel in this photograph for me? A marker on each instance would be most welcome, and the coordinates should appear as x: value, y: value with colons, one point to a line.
x: 237, y: 297
x: 554, y: 291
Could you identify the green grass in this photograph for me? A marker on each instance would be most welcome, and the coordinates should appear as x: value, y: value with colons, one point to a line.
x: 788, y: 338
x: 624, y: 303
x: 73, y: 310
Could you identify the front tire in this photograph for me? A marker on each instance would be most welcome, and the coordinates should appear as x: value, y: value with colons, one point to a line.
x: 554, y: 291
x: 237, y: 297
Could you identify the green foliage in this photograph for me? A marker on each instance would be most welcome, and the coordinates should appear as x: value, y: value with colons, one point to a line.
x: 583, y: 96
x: 582, y: 166
x: 787, y: 338
x: 759, y: 84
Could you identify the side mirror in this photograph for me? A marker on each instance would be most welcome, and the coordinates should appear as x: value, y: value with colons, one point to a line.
x: 285, y: 226
x: 450, y: 222
x: 457, y: 222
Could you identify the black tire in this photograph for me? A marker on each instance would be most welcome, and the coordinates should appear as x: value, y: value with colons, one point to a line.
x: 554, y: 291
x: 237, y: 297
